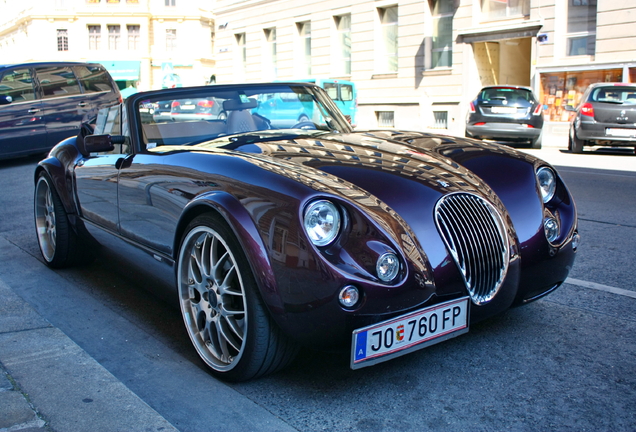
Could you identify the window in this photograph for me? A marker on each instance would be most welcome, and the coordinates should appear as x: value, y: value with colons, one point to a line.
x: 62, y: 40
x: 171, y: 40
x: 212, y: 40
x: 93, y: 78
x: 304, y: 35
x: 241, y: 52
x: 114, y: 35
x: 343, y: 45
x: 388, y: 44
x: 112, y: 1
x: 270, y: 56
x: 442, y: 46
x: 57, y: 81
x: 18, y: 84
x: 92, y: 1
x: 133, y: 37
x: 170, y: 2
x: 581, y: 28
x: 441, y: 119
x: 498, y: 9
x: 94, y: 37
x: 385, y: 118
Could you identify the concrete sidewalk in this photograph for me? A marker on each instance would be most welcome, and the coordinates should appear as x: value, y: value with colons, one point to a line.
x: 48, y: 383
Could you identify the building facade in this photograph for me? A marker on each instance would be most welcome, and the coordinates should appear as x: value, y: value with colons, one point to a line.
x: 147, y: 44
x: 417, y: 64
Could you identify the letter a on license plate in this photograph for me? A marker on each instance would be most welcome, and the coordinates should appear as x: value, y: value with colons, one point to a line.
x: 410, y: 332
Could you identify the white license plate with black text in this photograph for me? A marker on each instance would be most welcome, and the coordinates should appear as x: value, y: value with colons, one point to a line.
x: 392, y: 338
x: 620, y: 132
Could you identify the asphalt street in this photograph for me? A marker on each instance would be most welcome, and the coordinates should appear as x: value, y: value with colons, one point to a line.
x: 50, y: 381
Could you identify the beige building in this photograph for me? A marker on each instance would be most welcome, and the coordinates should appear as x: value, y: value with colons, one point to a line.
x: 145, y: 43
x: 417, y: 64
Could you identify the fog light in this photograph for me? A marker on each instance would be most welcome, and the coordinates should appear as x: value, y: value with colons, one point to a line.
x: 551, y: 228
x: 576, y: 240
x: 387, y: 267
x: 349, y: 296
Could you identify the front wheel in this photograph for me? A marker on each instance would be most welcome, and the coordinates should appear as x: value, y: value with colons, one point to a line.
x: 224, y: 315
x: 59, y: 244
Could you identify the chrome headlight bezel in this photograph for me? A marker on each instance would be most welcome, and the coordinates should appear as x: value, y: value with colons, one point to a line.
x: 547, y: 181
x: 322, y: 221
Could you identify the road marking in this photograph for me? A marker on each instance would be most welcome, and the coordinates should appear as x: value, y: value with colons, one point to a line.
x: 601, y: 287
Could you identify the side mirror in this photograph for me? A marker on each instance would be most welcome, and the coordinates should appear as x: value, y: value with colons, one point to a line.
x: 5, y: 100
x: 569, y: 108
x: 102, y: 143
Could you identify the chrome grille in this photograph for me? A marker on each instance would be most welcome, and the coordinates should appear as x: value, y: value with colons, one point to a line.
x: 474, y: 234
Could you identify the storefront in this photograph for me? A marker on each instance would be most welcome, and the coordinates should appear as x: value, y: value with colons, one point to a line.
x: 563, y: 86
x: 125, y: 73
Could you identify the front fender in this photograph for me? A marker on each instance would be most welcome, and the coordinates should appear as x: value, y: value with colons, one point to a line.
x: 242, y: 225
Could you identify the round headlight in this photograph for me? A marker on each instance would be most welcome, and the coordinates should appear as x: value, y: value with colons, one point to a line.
x: 387, y: 267
x: 322, y: 222
x: 551, y: 228
x: 547, y: 183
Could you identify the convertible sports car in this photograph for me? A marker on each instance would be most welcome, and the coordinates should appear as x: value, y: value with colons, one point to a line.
x: 272, y: 237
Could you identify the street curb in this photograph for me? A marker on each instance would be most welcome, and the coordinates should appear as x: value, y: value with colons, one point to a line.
x: 56, y: 383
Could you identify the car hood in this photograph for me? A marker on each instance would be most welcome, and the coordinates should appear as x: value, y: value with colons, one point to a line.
x: 397, y: 178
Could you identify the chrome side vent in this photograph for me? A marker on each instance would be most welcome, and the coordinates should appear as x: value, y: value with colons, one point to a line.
x: 475, y: 235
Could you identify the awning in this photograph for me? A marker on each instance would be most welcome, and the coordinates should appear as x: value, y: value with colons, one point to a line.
x: 500, y: 32
x: 122, y: 70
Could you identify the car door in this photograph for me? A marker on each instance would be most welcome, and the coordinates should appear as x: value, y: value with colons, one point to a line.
x: 64, y: 105
x: 96, y: 176
x: 22, y: 129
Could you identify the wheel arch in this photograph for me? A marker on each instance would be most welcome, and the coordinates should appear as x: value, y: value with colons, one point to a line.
x: 240, y: 222
x: 55, y: 170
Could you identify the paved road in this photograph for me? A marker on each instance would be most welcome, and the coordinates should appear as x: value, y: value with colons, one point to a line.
x: 567, y: 362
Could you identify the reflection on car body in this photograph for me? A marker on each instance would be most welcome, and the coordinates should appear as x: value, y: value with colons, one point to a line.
x: 272, y: 237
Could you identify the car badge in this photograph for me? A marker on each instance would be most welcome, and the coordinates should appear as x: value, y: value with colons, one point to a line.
x: 505, y: 102
x: 622, y: 117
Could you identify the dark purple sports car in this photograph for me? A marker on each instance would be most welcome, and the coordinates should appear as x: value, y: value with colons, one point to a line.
x: 272, y: 237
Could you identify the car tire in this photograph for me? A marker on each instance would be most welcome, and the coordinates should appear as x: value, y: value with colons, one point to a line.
x: 224, y: 315
x: 575, y: 144
x: 59, y: 244
x: 537, y: 142
x: 222, y: 116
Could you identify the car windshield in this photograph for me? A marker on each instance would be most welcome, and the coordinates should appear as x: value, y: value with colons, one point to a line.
x: 508, y: 94
x: 226, y: 115
x: 614, y: 95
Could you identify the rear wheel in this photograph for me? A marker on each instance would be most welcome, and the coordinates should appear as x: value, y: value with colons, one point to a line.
x: 59, y: 244
x: 223, y: 312
x: 536, y: 143
x: 575, y: 144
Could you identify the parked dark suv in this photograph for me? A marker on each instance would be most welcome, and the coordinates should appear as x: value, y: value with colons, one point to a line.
x: 44, y: 103
x: 506, y: 113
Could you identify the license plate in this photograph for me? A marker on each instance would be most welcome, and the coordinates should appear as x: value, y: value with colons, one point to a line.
x: 503, y: 110
x: 187, y: 107
x: 398, y: 336
x: 620, y: 132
